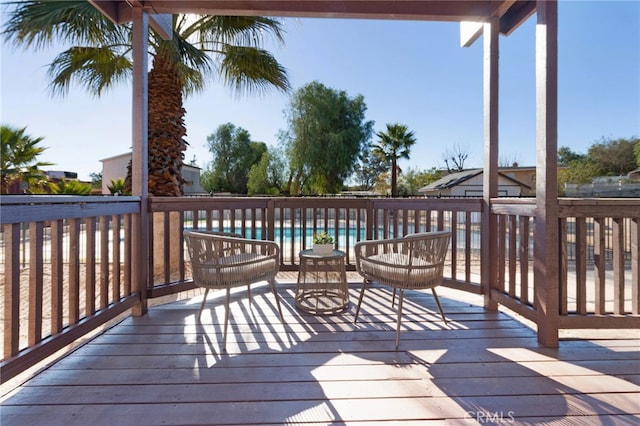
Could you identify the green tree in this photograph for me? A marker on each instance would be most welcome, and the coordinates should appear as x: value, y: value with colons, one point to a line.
x: 368, y: 169
x: 578, y: 171
x: 258, y: 183
x: 19, y: 157
x: 202, y: 47
x: 636, y: 149
x: 614, y: 157
x: 326, y: 130
x: 413, y: 179
x: 566, y: 156
x: 393, y: 145
x: 269, y: 174
x: 233, y: 155
x: 96, y: 180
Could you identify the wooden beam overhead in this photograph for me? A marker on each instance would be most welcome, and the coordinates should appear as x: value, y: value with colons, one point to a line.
x: 110, y: 9
x: 119, y: 12
x: 517, y: 14
x: 419, y: 10
x: 425, y: 10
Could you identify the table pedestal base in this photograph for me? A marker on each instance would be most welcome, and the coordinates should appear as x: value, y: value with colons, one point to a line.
x: 322, y: 283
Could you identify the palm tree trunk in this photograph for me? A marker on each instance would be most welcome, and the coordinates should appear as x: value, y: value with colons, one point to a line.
x: 394, y: 178
x: 166, y: 129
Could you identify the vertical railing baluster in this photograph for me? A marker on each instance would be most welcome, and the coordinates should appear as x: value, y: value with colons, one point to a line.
x: 524, y: 230
x: 618, y: 266
x: 104, y: 262
x: 634, y: 236
x: 453, y: 227
x: 563, y: 298
x: 57, y: 275
x: 512, y: 254
x: 127, y: 254
x: 115, y: 232
x: 599, y: 265
x: 35, y: 283
x: 90, y: 266
x: 581, y: 265
x: 74, y: 271
x: 468, y: 224
x: 11, y: 294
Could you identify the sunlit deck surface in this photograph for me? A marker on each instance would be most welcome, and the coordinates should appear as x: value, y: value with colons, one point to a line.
x: 484, y: 367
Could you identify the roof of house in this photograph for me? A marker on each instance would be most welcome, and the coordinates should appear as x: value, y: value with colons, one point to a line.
x: 455, y: 179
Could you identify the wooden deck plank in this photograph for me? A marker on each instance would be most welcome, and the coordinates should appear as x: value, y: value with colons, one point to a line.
x: 165, y: 368
x: 627, y: 370
x: 324, y: 411
x: 332, y: 383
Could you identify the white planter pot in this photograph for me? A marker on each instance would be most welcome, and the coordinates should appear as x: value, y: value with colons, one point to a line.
x: 322, y: 249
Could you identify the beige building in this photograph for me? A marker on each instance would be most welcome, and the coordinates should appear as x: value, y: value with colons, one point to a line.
x: 469, y: 184
x: 116, y: 167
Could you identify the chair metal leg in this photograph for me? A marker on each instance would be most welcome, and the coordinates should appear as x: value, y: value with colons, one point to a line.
x: 393, y: 298
x: 249, y: 292
x: 204, y: 299
x: 435, y: 296
x: 226, y: 319
x: 272, y: 283
x: 400, y: 299
x: 364, y: 284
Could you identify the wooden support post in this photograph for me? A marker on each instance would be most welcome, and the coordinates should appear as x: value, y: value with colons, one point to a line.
x: 489, y: 242
x: 546, y: 248
x: 140, y: 171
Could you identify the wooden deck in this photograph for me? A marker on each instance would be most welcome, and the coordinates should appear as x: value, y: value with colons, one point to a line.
x: 484, y: 367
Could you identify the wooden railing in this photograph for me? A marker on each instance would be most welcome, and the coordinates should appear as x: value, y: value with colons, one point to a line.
x: 514, y: 283
x: 599, y: 243
x: 292, y: 222
x: 67, y: 265
x: 66, y: 271
x: 599, y: 286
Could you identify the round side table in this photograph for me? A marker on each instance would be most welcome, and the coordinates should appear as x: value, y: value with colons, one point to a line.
x: 322, y: 283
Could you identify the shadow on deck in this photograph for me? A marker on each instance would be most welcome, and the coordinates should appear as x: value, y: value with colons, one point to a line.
x: 484, y: 367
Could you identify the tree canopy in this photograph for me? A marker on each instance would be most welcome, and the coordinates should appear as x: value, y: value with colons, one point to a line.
x: 614, y: 157
x: 608, y: 157
x: 393, y: 145
x: 19, y: 157
x: 326, y: 130
x: 267, y: 177
x: 368, y: 169
x: 233, y: 156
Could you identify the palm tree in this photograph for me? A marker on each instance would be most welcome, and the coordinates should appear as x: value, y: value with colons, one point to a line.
x: 202, y: 47
x: 396, y: 143
x: 18, y: 157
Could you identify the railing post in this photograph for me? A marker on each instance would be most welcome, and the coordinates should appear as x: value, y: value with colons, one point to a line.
x: 546, y: 252
x: 140, y: 172
x: 489, y: 236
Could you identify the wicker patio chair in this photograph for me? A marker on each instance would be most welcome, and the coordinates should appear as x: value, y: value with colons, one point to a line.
x: 414, y: 262
x: 223, y: 260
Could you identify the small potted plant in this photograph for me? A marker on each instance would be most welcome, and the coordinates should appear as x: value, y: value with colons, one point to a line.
x: 322, y: 244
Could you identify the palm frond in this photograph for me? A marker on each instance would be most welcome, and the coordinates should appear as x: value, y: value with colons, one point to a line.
x: 252, y: 70
x: 95, y: 68
x: 247, y: 31
x: 39, y: 24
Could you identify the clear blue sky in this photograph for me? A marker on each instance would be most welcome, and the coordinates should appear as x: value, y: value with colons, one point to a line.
x: 414, y: 73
